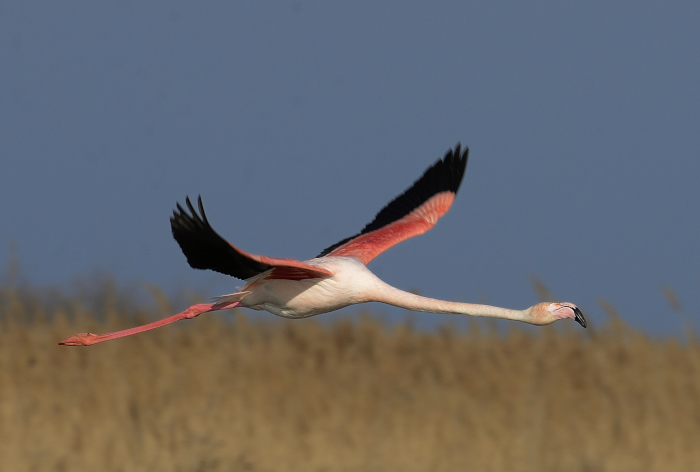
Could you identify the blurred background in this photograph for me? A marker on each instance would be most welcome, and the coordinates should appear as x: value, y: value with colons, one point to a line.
x: 296, y: 122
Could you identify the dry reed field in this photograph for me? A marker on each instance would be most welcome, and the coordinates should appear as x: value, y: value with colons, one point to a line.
x: 232, y: 394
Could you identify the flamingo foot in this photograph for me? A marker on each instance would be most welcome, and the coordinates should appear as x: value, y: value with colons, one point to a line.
x: 80, y: 339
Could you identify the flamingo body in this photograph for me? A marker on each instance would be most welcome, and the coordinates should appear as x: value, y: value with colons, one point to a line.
x: 338, y: 276
x: 350, y: 283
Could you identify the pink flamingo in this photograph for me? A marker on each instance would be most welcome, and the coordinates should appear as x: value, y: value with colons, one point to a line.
x: 338, y: 276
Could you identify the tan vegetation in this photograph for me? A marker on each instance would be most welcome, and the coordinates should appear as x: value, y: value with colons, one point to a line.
x: 216, y: 395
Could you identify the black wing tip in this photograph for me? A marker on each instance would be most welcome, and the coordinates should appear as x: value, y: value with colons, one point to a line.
x: 445, y: 175
x: 457, y: 152
x: 456, y: 161
x: 182, y: 217
x: 190, y: 228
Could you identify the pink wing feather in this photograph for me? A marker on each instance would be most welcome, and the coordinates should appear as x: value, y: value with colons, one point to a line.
x: 412, y: 213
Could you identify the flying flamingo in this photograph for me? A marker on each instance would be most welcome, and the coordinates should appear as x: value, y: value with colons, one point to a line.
x: 338, y: 276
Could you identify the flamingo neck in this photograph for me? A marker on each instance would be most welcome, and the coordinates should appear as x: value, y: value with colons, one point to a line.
x: 392, y: 296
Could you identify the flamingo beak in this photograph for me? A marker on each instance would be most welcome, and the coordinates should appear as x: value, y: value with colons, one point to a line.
x: 578, y: 316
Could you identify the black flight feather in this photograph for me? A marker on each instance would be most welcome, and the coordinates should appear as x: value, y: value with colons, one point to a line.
x: 205, y: 249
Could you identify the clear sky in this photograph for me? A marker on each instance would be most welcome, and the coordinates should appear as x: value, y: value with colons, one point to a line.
x: 297, y: 121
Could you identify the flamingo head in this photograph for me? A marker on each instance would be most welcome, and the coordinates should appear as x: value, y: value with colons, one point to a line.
x: 546, y: 313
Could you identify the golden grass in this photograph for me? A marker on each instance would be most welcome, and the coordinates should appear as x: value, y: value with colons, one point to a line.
x: 212, y: 395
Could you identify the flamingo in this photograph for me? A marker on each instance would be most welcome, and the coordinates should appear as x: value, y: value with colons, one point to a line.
x: 338, y: 276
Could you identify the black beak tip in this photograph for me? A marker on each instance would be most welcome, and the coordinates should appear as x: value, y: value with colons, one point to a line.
x: 578, y: 316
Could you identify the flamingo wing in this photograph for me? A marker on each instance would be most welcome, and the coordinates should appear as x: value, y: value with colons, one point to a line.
x: 412, y: 213
x: 205, y: 249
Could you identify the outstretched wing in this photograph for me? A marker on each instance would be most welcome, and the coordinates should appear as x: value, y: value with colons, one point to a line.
x: 205, y: 249
x: 412, y: 213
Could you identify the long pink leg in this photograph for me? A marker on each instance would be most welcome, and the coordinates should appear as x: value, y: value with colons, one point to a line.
x: 87, y: 339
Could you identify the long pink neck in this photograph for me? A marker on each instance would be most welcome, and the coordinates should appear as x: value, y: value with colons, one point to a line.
x: 387, y: 294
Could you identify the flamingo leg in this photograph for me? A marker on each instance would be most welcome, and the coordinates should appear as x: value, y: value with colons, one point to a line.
x: 88, y: 339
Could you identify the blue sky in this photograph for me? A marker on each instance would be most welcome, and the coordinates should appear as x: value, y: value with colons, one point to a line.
x: 297, y: 121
